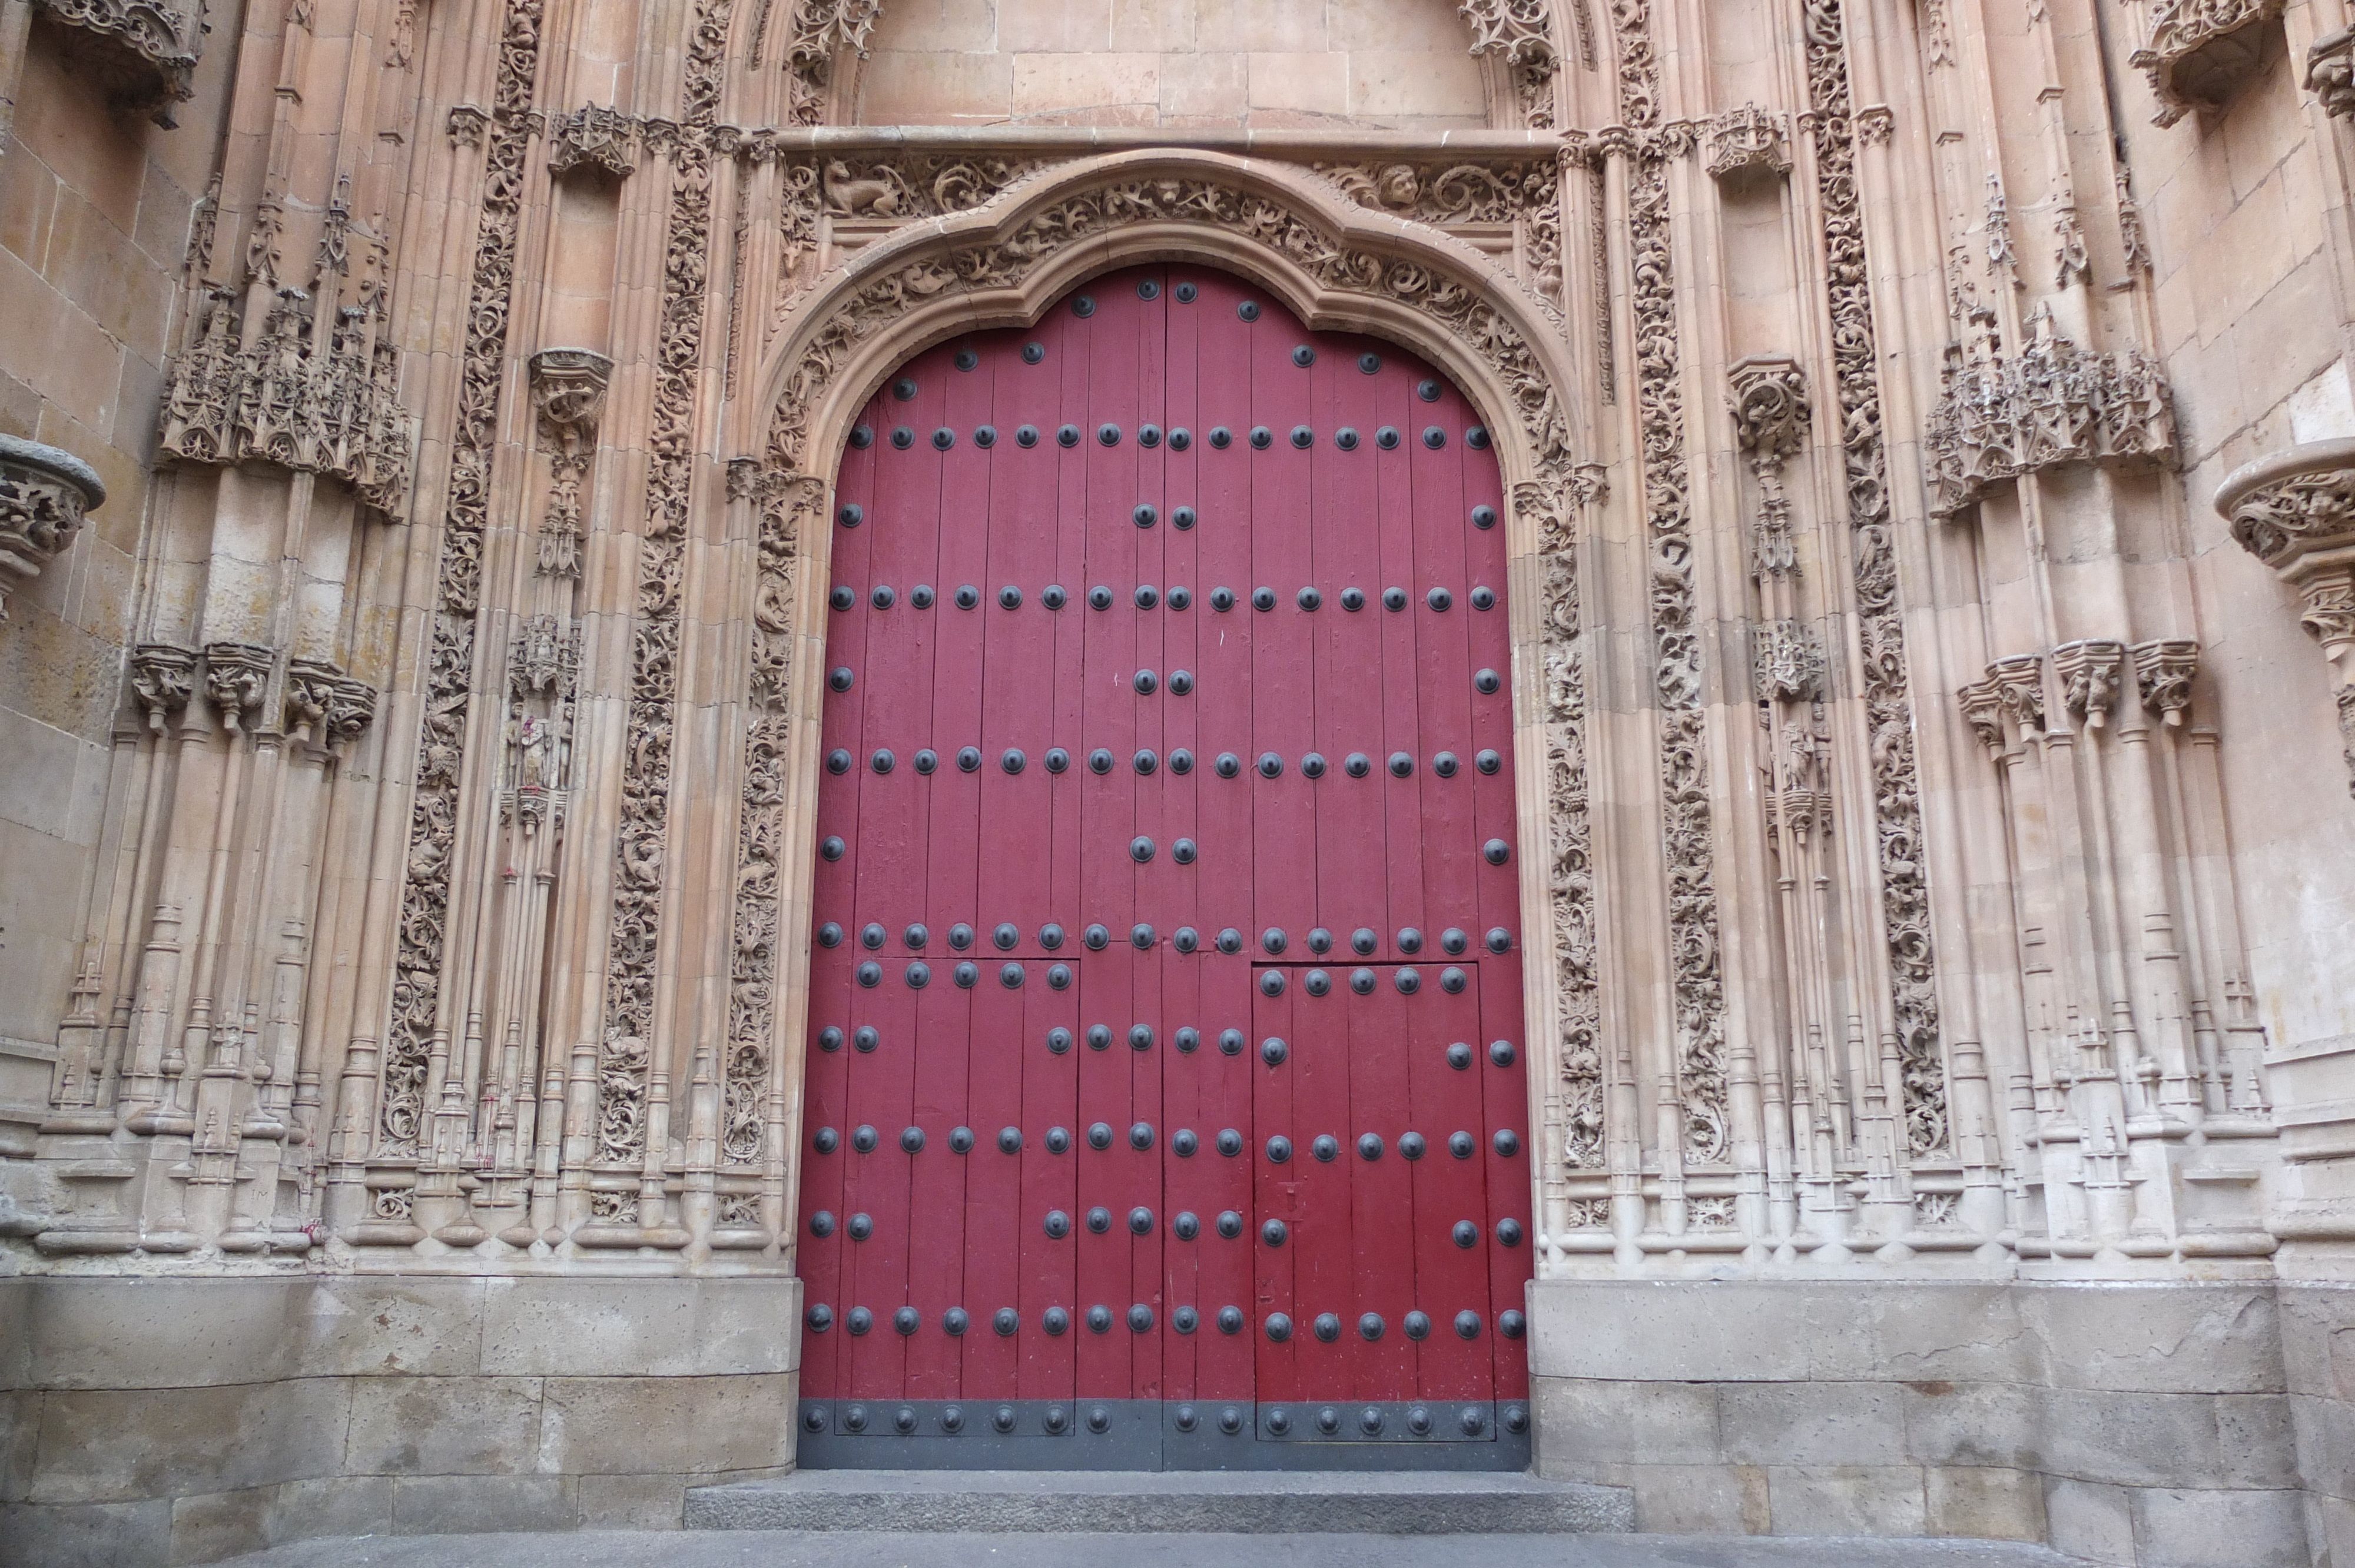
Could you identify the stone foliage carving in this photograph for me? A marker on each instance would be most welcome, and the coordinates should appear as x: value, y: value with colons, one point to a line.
x: 1748, y: 140
x: 449, y: 657
x: 1880, y: 616
x: 1768, y: 398
x: 146, y: 51
x: 789, y: 505
x: 642, y: 839
x: 1578, y: 1005
x: 44, y: 494
x: 594, y: 133
x: 900, y: 189
x: 2200, y: 50
x: 814, y: 31
x: 1469, y: 196
x: 2052, y: 403
x: 311, y: 395
x: 1521, y: 31
x: 1696, y: 958
x: 163, y: 680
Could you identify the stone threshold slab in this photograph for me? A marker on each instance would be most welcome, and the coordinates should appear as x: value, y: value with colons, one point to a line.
x: 1137, y: 1502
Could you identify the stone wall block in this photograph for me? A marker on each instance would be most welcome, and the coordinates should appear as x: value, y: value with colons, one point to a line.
x: 632, y: 1327
x: 86, y: 1535
x: 2325, y: 1430
x: 17, y: 1333
x: 1698, y: 1499
x: 2131, y: 1439
x: 1597, y: 1421
x: 1993, y: 1424
x: 444, y: 1426
x: 1847, y: 1499
x: 375, y: 1328
x: 636, y: 1502
x: 434, y: 1505
x: 2219, y: 1528
x: 1669, y: 1330
x: 648, y: 1426
x: 1812, y: 1422
x: 1984, y: 1502
x: 2317, y: 1340
x: 1956, y: 1333
x: 20, y: 1431
x: 2161, y: 1339
x: 118, y: 1446
x: 166, y: 1332
x: 208, y: 1528
x: 2087, y: 1519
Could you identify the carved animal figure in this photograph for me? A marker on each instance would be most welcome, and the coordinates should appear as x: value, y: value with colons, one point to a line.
x: 860, y: 198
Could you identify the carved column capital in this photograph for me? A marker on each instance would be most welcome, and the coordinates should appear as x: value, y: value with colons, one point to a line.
x: 351, y: 706
x: 2163, y: 670
x: 2090, y: 671
x: 163, y: 678
x: 236, y: 678
x: 1747, y: 140
x: 1982, y: 703
x: 310, y: 689
x: 2018, y: 683
x: 44, y: 494
x: 2295, y: 511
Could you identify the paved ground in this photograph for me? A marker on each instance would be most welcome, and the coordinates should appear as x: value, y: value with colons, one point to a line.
x: 847, y: 1548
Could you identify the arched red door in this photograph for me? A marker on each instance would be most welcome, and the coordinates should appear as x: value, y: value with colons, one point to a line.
x: 1166, y: 1104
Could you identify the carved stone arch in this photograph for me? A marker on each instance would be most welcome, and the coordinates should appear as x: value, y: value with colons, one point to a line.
x: 819, y: 44
x: 1338, y: 266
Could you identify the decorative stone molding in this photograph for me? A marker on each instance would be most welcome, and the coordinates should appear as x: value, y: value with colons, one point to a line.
x: 594, y: 133
x: 45, y: 492
x: 2330, y: 72
x: 2200, y: 51
x: 145, y: 53
x: 915, y: 185
x: 236, y: 678
x: 2295, y: 511
x: 163, y: 677
x: 1445, y: 194
x: 286, y: 398
x: 2053, y: 403
x: 1746, y: 141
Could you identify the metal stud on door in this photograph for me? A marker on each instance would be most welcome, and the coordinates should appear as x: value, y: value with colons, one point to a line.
x: 1156, y: 1112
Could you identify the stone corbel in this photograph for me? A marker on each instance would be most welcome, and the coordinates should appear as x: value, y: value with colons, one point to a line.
x: 2295, y: 511
x: 1748, y: 141
x: 2018, y: 688
x: 163, y: 678
x: 310, y: 689
x: 1982, y: 704
x: 2330, y: 72
x: 236, y: 678
x: 351, y: 706
x: 2163, y: 670
x: 2200, y: 51
x: 142, y: 54
x: 2089, y: 670
x: 594, y: 133
x: 45, y: 492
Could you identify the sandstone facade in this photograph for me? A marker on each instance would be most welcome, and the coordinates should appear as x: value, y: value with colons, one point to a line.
x: 1930, y: 447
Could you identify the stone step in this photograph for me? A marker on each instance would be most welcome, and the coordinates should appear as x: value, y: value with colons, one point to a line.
x: 1130, y: 1502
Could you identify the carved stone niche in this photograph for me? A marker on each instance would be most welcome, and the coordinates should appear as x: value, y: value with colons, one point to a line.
x: 2201, y: 51
x: 44, y: 495
x: 594, y: 133
x: 1748, y: 141
x: 2295, y: 511
x: 143, y: 55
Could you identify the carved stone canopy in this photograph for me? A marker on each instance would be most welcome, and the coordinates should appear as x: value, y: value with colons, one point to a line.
x: 44, y: 494
x: 568, y: 392
x: 2200, y: 51
x: 1748, y: 141
x: 2295, y: 511
x: 143, y: 53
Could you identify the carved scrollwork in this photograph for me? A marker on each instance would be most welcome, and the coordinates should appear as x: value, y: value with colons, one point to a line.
x: 643, y: 838
x: 1880, y: 614
x: 901, y: 189
x: 45, y: 492
x: 1469, y: 198
x: 2200, y: 50
x: 815, y: 31
x: 1521, y: 31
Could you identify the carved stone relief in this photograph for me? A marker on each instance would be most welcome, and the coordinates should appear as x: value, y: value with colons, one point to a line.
x: 44, y: 494
x: 1748, y: 140
x: 594, y: 133
x: 2295, y: 511
x: 2200, y: 50
x: 1521, y: 31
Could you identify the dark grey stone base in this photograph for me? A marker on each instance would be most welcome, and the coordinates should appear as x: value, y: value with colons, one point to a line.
x: 1145, y: 1434
x: 1113, y: 1502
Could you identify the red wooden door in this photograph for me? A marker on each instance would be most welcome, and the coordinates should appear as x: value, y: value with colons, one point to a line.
x: 1165, y: 1103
